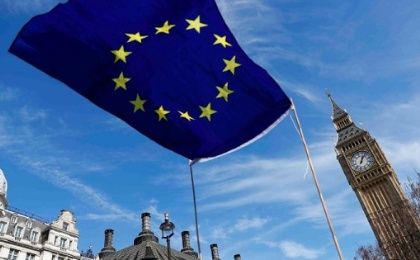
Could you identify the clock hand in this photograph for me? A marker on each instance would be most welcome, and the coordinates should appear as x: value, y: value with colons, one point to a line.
x: 361, y: 159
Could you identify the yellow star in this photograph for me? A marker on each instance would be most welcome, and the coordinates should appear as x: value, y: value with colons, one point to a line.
x: 161, y: 112
x: 165, y: 28
x: 231, y: 65
x: 186, y: 115
x: 138, y: 104
x: 120, y: 54
x: 135, y: 37
x: 224, y: 92
x: 195, y: 24
x: 120, y: 82
x: 207, y: 111
x: 221, y: 40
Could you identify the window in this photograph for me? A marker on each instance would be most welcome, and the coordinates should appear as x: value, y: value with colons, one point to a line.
x: 65, y: 226
x: 63, y: 243
x: 29, y: 223
x: 2, y: 226
x: 30, y: 256
x: 18, y: 231
x: 55, y: 257
x: 34, y: 236
x: 13, y: 254
x: 56, y: 240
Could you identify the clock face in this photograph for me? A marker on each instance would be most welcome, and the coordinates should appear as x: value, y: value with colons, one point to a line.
x: 361, y: 161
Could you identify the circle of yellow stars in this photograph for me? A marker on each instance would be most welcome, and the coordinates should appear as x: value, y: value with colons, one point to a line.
x: 223, y: 92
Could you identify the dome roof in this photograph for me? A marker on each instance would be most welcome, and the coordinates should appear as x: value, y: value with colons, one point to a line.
x: 3, y: 184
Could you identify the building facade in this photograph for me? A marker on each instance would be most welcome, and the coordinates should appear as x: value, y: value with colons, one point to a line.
x: 377, y: 188
x: 26, y: 237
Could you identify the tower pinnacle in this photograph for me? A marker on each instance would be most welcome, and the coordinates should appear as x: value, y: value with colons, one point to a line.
x: 338, y: 112
x: 343, y: 123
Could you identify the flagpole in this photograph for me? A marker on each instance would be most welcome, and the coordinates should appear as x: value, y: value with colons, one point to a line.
x: 315, y: 178
x: 191, y: 163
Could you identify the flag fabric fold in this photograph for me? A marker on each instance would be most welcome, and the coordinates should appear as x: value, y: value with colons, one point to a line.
x: 170, y: 69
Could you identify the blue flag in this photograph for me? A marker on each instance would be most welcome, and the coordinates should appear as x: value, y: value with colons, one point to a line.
x: 169, y: 68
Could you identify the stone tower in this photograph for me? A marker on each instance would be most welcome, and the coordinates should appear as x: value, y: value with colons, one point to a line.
x: 376, y: 185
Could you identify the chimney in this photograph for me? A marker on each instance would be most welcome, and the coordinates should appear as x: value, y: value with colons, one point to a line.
x: 214, y: 252
x: 146, y: 233
x: 108, y: 249
x: 237, y: 257
x: 186, y: 244
x: 145, y: 222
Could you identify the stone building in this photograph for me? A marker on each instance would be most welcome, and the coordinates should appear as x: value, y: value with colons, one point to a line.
x: 24, y: 236
x: 376, y: 185
x: 146, y: 246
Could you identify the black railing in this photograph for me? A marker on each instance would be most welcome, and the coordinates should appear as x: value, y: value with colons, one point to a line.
x: 27, y: 214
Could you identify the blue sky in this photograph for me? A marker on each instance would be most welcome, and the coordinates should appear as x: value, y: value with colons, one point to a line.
x: 59, y: 151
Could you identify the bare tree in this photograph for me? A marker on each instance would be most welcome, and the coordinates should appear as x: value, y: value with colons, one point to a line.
x: 413, y: 192
x: 370, y: 252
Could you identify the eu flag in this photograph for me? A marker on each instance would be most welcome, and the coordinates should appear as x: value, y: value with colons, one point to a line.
x: 169, y: 68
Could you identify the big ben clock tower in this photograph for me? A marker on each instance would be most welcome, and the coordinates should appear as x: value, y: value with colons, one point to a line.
x: 376, y: 185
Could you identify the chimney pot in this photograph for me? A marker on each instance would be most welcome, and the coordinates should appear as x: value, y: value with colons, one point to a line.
x: 237, y: 257
x: 145, y: 222
x: 109, y: 234
x: 186, y: 244
x: 186, y: 240
x: 108, y: 249
x: 214, y: 252
x: 146, y: 233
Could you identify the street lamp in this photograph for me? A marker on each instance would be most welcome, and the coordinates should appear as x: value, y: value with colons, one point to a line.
x: 167, y: 229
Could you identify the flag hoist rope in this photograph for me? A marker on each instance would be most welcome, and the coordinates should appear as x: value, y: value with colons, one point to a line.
x: 311, y: 166
x: 191, y: 163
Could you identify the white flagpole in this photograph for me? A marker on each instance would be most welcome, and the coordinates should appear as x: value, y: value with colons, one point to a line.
x: 191, y: 163
x: 311, y: 166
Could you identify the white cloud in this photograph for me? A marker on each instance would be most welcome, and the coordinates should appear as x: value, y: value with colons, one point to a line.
x: 303, y: 90
x: 59, y: 178
x: 244, y: 224
x: 7, y: 94
x: 406, y: 154
x: 270, y: 180
x: 31, y: 115
x: 40, y: 157
x: 344, y: 209
x: 295, y: 250
x: 107, y: 217
x: 241, y: 225
x: 155, y: 212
